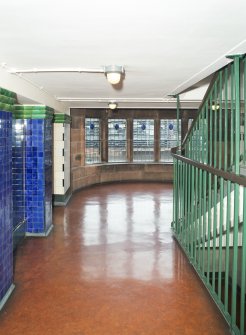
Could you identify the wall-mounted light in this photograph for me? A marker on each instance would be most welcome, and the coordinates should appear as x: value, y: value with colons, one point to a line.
x: 114, y: 73
x: 112, y: 105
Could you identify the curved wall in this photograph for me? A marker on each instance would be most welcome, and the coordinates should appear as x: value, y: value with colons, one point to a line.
x: 84, y: 176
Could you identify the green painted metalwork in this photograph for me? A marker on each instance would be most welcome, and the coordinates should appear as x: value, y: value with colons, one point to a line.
x: 178, y: 117
x: 243, y: 274
x: 210, y: 218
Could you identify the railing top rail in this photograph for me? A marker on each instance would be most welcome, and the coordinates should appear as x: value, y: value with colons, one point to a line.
x: 238, y: 179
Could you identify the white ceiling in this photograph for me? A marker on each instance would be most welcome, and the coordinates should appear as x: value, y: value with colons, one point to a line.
x: 165, y: 46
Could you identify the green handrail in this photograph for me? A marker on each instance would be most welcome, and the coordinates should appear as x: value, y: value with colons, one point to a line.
x: 209, y: 217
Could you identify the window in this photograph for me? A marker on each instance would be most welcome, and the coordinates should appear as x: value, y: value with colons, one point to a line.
x: 168, y: 139
x: 143, y: 140
x: 92, y: 141
x: 117, y: 140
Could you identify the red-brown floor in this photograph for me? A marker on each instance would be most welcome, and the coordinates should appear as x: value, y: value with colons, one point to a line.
x: 110, y: 267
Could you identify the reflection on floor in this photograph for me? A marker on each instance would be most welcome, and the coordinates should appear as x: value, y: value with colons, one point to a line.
x: 110, y: 267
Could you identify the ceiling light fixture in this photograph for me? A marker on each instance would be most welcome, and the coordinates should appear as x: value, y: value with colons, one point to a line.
x: 112, y: 105
x: 114, y: 73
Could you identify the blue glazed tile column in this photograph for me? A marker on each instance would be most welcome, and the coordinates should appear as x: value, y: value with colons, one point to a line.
x: 38, y: 168
x: 18, y: 174
x: 6, y: 220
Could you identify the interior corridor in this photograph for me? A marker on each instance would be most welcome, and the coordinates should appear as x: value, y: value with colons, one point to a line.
x: 110, y: 267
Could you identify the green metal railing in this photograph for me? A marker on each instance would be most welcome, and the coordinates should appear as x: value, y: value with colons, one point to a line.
x: 210, y: 192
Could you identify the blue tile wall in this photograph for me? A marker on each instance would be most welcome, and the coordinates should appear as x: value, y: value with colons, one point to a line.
x: 18, y: 154
x: 38, y: 175
x: 48, y: 141
x: 6, y: 223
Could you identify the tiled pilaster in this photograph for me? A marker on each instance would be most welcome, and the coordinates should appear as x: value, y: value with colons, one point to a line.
x: 61, y: 159
x: 18, y: 173
x: 38, y: 167
x: 6, y: 203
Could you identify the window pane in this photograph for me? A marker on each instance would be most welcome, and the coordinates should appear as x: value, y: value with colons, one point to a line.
x: 168, y: 138
x: 92, y: 141
x: 143, y: 140
x: 117, y: 140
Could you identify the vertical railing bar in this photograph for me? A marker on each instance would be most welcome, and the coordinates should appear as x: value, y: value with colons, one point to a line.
x: 244, y: 118
x: 192, y: 211
x: 210, y: 132
x: 209, y: 226
x: 214, y: 230
x: 178, y: 193
x: 237, y: 114
x: 200, y: 219
x: 227, y: 252
x: 184, y: 202
x: 188, y: 206
x: 204, y: 174
x: 196, y: 225
x: 204, y: 219
x: 236, y: 189
x: 174, y: 193
x: 243, y: 274
x: 181, y: 199
x: 185, y: 205
x: 215, y: 180
x: 221, y: 235
x: 226, y: 121
x: 215, y: 126
x: 181, y: 202
x: 232, y: 119
x: 198, y: 146
x: 228, y: 74
x: 189, y: 210
x: 206, y: 133
x: 178, y: 116
x: 235, y: 254
x: 221, y: 181
x: 204, y: 140
x: 220, y: 119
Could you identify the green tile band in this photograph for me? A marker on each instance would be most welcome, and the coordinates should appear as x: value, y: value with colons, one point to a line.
x: 62, y: 118
x: 7, y: 100
x: 7, y: 93
x: 6, y: 107
x: 33, y: 112
x: 33, y: 107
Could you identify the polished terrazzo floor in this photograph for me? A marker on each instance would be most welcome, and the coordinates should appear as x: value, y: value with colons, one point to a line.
x: 110, y: 267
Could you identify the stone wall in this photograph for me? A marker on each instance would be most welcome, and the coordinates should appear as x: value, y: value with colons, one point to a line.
x: 103, y: 173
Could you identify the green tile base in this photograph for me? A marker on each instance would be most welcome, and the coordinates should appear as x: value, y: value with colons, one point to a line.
x: 62, y: 199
